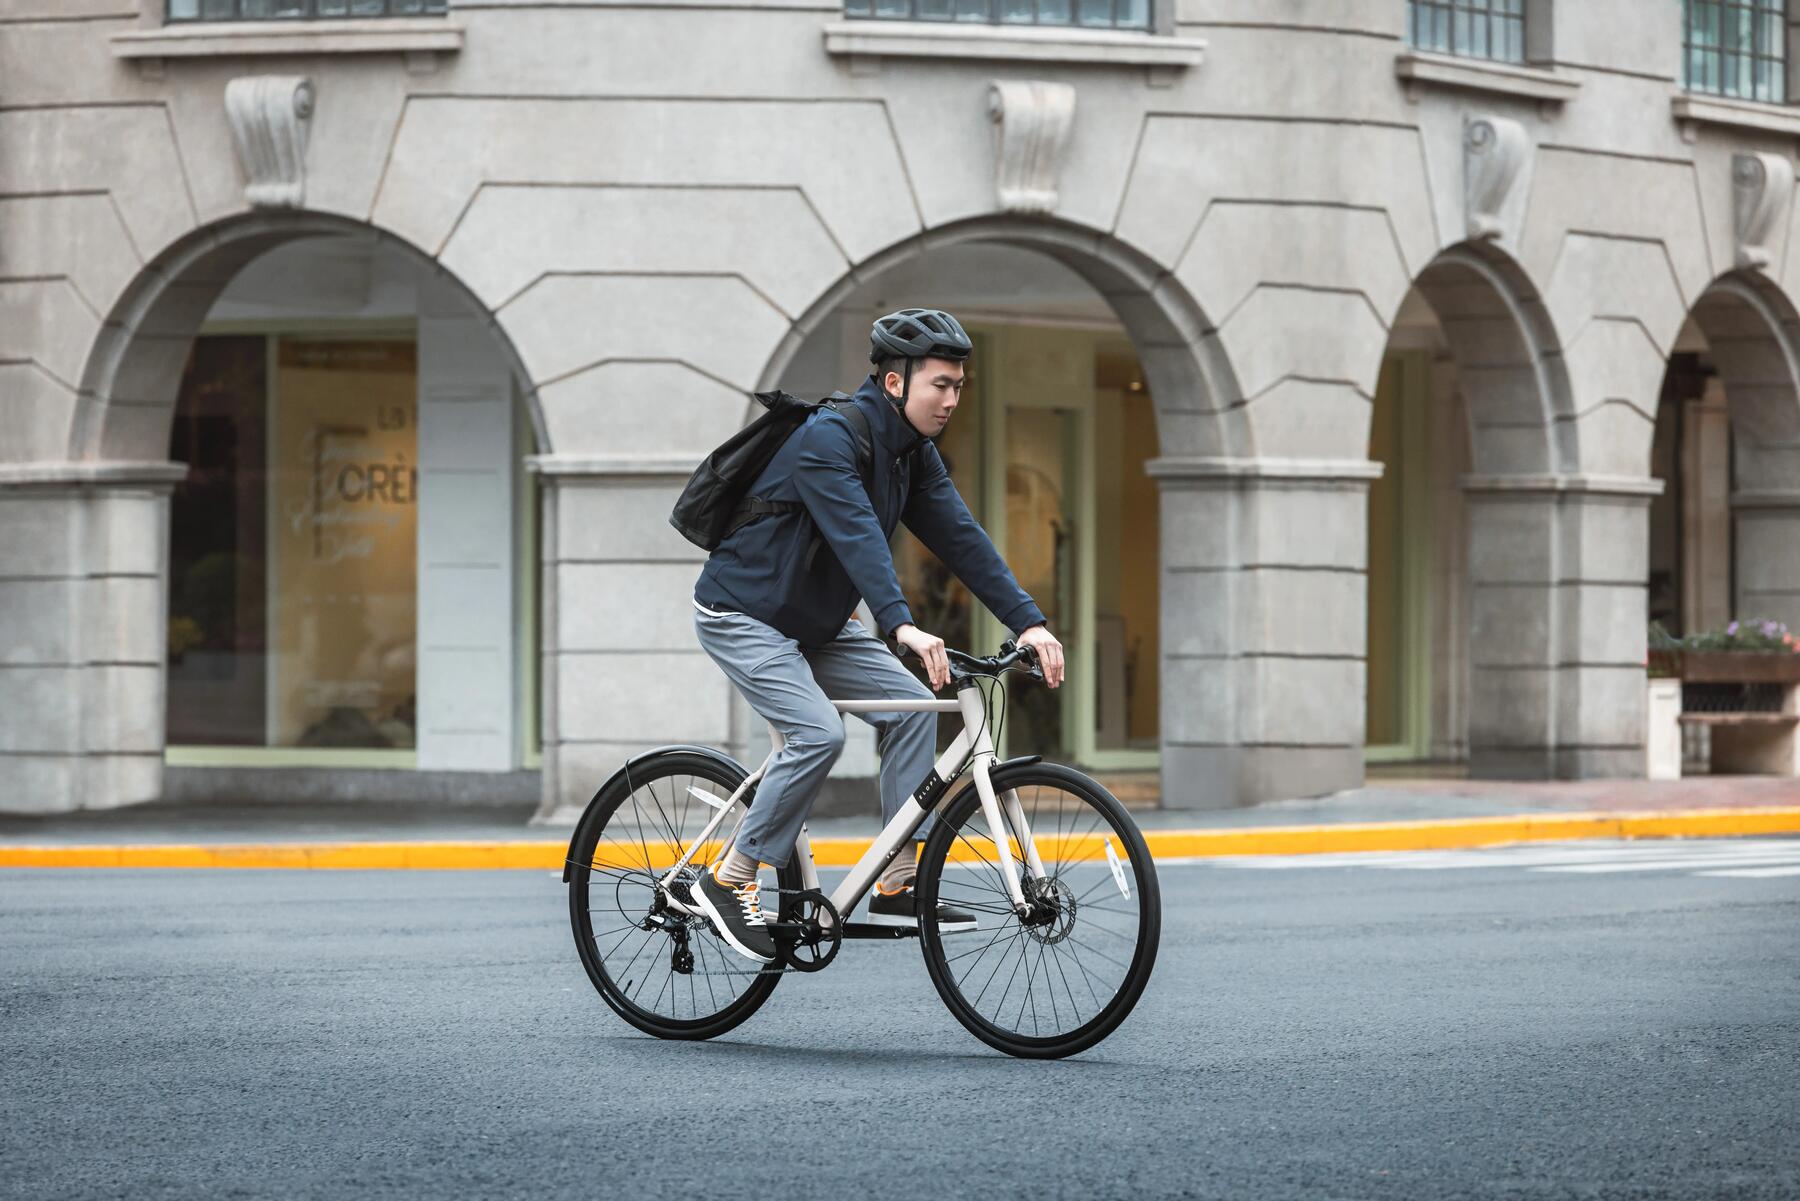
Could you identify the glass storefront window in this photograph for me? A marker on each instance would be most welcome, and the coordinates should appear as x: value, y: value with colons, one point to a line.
x: 293, y: 610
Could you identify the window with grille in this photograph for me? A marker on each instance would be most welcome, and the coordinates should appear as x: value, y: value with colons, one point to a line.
x: 298, y: 10
x: 1090, y: 14
x: 1493, y: 29
x: 1736, y: 48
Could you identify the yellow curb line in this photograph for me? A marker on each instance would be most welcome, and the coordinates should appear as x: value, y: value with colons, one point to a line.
x: 842, y: 852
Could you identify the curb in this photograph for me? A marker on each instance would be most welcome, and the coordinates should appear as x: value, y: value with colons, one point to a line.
x: 545, y: 855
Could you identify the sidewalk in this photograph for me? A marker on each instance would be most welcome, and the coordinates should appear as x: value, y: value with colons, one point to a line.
x: 1392, y: 814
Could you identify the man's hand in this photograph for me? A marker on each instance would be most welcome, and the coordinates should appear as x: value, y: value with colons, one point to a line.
x: 1049, y: 653
x: 930, y: 649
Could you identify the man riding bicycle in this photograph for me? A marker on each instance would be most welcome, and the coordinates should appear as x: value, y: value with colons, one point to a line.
x: 773, y: 608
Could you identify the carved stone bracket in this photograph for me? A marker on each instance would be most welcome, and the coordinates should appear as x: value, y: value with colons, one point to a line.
x: 1032, y: 120
x: 270, y: 116
x: 1761, y: 185
x: 1494, y: 154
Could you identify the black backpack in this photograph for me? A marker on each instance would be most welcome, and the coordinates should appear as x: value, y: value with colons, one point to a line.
x: 717, y: 498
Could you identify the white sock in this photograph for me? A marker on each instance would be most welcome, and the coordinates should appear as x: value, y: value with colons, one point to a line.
x: 737, y: 869
x: 901, y: 872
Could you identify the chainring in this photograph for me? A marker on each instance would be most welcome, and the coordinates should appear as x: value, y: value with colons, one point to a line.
x: 814, y: 950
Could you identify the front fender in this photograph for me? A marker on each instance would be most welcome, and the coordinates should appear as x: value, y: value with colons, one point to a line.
x: 636, y: 763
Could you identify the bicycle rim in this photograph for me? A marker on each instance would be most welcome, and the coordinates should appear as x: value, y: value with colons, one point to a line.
x: 626, y: 842
x: 1042, y: 988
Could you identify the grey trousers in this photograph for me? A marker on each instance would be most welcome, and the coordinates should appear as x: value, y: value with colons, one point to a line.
x: 789, y: 687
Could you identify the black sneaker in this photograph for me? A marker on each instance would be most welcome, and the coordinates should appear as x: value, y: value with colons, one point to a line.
x: 898, y: 909
x: 736, y: 913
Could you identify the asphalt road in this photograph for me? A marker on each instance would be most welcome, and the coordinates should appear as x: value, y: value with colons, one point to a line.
x: 1317, y: 1032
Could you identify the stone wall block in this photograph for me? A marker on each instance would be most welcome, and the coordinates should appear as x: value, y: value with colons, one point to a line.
x: 43, y: 710
x: 1510, y: 626
x: 1768, y: 551
x: 1512, y: 539
x: 611, y: 522
x: 657, y: 696
x: 1300, y: 525
x: 1201, y: 527
x: 115, y: 780
x: 38, y: 784
x: 1606, y: 540
x: 1308, y: 702
x: 126, y: 533
x: 38, y: 536
x: 1603, y: 624
x: 447, y: 146
x: 1239, y: 245
x: 125, y: 709
x: 718, y: 324
x: 772, y: 237
x: 1288, y: 331
x: 1301, y: 612
x: 1203, y: 608
x: 627, y: 408
x: 1602, y: 707
x: 1199, y: 700
x: 626, y: 607
x: 123, y: 619
x: 41, y: 411
x: 1614, y: 438
x: 39, y: 622
x: 1510, y: 708
x: 1307, y: 419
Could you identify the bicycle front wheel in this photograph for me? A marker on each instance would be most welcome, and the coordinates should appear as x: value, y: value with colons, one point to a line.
x: 1061, y: 979
x: 666, y: 972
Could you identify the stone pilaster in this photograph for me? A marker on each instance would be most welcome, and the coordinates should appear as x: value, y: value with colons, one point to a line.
x: 1557, y: 567
x: 1264, y: 603
x: 1767, y: 553
x: 83, y: 633
x: 621, y: 672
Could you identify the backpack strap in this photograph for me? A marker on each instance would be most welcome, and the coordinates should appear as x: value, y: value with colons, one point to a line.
x: 753, y: 507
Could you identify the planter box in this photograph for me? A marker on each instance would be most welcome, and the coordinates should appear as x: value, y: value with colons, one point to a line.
x: 1738, y: 667
x: 1756, y: 728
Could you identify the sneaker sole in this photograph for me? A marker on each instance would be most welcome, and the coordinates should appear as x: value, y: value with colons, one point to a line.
x: 705, y: 908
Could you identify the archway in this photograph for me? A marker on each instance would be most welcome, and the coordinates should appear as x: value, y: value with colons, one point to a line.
x: 1097, y: 380
x: 1471, y: 420
x: 1724, y: 538
x: 348, y: 565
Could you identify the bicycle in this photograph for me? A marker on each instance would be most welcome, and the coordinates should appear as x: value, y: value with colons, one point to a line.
x: 1080, y: 926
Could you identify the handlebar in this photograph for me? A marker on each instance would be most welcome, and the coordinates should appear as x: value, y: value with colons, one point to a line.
x: 1010, y: 656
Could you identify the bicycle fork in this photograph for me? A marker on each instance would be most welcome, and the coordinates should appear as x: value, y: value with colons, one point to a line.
x: 974, y: 714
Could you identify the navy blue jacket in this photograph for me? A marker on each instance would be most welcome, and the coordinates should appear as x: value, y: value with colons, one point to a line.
x: 761, y: 570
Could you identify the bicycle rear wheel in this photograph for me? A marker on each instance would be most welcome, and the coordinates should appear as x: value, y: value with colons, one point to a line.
x: 666, y: 972
x: 1061, y: 980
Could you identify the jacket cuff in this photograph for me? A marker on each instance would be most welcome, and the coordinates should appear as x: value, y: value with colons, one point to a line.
x: 1022, y: 617
x: 892, y: 616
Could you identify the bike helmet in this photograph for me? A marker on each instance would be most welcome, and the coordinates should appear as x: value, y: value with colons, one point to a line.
x: 918, y: 334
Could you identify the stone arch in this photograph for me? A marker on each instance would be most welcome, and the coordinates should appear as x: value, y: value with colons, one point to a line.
x: 1198, y: 404
x: 1510, y: 366
x: 1753, y: 332
x: 129, y: 381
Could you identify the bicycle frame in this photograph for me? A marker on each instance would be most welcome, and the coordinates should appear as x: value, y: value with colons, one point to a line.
x: 966, y: 750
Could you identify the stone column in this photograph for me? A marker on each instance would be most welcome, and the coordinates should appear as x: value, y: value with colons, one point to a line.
x: 1767, y: 553
x: 1264, y: 603
x: 621, y: 670
x: 1557, y: 573
x: 83, y: 633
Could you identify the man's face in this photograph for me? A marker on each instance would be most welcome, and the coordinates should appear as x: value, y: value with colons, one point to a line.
x: 936, y: 388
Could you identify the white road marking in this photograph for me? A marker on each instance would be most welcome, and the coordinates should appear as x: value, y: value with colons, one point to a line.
x: 1739, y: 858
x: 1755, y: 873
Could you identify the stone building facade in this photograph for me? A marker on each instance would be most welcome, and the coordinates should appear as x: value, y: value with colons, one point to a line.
x: 574, y: 235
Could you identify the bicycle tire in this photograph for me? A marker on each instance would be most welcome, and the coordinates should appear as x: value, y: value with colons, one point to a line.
x: 1062, y: 851
x: 624, y: 872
